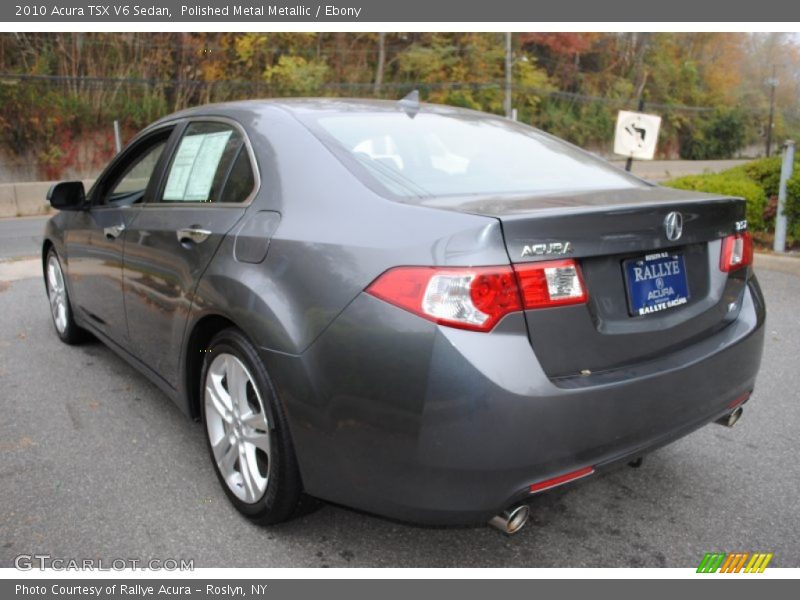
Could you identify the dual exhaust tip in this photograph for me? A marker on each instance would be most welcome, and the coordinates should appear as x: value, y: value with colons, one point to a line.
x: 732, y: 418
x: 511, y: 521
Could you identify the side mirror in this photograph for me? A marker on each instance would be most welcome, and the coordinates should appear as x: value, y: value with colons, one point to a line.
x: 67, y: 195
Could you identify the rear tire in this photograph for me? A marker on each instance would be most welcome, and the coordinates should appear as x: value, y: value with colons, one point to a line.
x: 60, y: 308
x: 246, y: 431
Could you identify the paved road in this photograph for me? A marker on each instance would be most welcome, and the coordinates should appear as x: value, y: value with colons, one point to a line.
x: 94, y: 461
x: 21, y: 237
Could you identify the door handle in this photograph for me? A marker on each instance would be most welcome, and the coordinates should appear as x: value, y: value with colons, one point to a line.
x: 193, y: 235
x: 114, y: 231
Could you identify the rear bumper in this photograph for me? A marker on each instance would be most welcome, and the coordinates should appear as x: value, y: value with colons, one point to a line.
x: 396, y: 416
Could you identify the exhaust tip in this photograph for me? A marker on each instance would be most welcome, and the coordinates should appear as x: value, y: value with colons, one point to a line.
x: 512, y: 520
x: 732, y: 418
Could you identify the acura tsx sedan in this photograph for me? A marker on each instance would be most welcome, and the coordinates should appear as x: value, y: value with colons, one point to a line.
x: 418, y: 311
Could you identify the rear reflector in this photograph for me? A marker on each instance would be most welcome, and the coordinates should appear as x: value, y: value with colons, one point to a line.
x: 561, y: 479
x: 739, y: 400
x: 737, y: 252
x: 476, y: 298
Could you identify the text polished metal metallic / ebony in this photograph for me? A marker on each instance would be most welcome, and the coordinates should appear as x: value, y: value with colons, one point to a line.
x: 419, y: 311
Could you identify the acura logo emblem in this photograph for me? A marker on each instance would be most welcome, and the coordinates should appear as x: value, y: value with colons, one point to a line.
x: 673, y: 226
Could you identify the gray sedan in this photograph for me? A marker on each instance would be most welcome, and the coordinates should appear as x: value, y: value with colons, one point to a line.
x: 418, y: 311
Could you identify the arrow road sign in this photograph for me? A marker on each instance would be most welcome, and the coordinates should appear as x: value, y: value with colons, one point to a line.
x: 636, y: 135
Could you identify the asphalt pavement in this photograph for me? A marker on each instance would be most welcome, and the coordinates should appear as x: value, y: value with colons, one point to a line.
x: 96, y: 462
x: 21, y: 237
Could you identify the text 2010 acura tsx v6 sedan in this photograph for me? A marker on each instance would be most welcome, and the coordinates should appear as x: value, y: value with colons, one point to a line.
x: 419, y: 311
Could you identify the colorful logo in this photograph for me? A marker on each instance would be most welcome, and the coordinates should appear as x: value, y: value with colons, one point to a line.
x: 721, y: 562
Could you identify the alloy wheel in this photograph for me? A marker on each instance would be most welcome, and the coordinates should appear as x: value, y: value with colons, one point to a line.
x: 57, y: 293
x: 238, y: 427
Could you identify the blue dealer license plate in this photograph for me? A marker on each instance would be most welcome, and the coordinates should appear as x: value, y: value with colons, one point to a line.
x: 656, y: 282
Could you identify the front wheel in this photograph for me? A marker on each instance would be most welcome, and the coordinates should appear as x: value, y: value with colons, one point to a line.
x: 60, y: 307
x: 247, y: 433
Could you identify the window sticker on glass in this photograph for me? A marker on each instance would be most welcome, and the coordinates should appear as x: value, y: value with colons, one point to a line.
x: 195, y: 164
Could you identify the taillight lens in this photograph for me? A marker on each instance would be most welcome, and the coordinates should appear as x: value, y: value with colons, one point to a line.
x: 552, y: 283
x: 737, y: 252
x: 476, y: 298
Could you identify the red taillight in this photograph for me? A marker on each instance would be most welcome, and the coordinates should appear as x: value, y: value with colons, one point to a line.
x: 737, y: 252
x: 468, y: 298
x: 476, y: 298
x: 552, y: 283
x: 561, y: 479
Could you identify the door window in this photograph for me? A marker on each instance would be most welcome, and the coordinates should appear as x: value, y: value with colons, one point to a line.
x: 210, y: 164
x: 132, y: 186
x: 128, y: 180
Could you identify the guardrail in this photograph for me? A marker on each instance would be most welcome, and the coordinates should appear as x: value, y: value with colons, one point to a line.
x: 27, y: 199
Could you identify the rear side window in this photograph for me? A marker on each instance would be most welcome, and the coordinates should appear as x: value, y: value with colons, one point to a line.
x: 241, y: 180
x: 210, y: 164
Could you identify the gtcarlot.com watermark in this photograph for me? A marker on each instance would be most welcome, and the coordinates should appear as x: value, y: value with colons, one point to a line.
x: 42, y: 562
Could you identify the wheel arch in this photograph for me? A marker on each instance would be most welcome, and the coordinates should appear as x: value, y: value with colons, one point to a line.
x: 47, y: 244
x: 203, y: 331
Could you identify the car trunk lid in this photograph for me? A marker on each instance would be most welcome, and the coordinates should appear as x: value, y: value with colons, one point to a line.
x: 610, y: 233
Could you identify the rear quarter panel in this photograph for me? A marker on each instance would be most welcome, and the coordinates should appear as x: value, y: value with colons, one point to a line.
x: 335, y: 236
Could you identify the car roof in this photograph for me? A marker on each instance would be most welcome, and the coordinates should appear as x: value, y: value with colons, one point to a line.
x: 307, y: 106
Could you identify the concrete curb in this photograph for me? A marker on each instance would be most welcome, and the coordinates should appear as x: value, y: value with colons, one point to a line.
x: 27, y: 199
x: 8, y: 201
x: 14, y: 270
x: 32, y: 198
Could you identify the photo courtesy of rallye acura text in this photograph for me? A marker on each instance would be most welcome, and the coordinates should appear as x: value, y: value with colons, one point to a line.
x: 423, y: 312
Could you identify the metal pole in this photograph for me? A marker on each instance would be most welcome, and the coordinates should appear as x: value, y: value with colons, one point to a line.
x: 376, y: 89
x: 779, y: 244
x: 629, y: 161
x: 509, y: 63
x: 117, y: 137
x: 773, y: 83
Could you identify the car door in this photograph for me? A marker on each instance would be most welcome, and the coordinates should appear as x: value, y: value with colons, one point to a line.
x: 210, y: 179
x: 96, y: 237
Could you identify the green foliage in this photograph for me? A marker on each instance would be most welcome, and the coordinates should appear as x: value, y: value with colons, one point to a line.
x: 141, y: 110
x: 720, y: 136
x: 766, y: 172
x: 425, y: 64
x: 534, y: 84
x: 580, y: 124
x: 757, y: 182
x: 792, y: 209
x: 570, y: 84
x: 296, y: 76
x: 729, y: 184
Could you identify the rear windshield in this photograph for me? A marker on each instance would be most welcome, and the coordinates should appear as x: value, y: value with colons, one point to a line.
x: 444, y: 155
